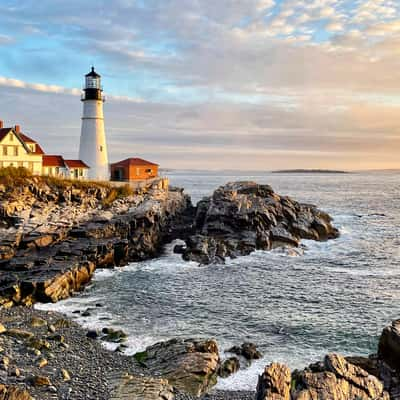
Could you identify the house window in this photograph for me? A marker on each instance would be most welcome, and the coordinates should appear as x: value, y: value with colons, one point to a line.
x: 5, y: 152
x: 137, y: 171
x: 148, y: 170
x: 80, y: 172
x: 15, y: 150
x: 20, y: 164
x: 11, y: 137
x: 57, y: 170
x: 30, y: 166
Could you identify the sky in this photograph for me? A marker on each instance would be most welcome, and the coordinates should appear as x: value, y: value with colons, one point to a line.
x: 210, y: 84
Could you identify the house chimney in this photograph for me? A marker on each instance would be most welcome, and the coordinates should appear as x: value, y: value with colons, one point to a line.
x: 1, y: 124
x: 17, y: 129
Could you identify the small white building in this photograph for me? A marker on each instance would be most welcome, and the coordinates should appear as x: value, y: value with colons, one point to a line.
x: 55, y: 165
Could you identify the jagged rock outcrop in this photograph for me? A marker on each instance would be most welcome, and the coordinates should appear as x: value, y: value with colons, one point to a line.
x: 189, y: 365
x: 274, y: 383
x: 56, y: 259
x: 241, y: 217
x: 335, y: 378
x: 130, y: 387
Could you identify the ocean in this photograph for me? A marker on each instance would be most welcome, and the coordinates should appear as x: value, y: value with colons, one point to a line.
x: 334, y: 296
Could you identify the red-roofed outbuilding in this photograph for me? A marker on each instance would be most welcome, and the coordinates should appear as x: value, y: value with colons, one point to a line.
x: 133, y: 169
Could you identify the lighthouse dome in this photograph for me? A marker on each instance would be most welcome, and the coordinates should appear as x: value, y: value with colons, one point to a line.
x: 93, y: 74
x: 92, y: 84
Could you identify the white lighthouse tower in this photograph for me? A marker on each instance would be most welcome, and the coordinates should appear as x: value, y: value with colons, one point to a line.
x: 93, y: 147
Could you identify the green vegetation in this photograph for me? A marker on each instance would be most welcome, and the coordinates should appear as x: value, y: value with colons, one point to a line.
x: 141, y: 357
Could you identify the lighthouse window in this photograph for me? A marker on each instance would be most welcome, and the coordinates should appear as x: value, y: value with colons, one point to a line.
x: 101, y: 148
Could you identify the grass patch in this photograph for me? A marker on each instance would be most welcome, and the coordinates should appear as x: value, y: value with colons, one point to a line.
x: 117, y: 193
x: 11, y: 176
x: 141, y: 358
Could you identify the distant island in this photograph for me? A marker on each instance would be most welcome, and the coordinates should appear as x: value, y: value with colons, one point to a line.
x: 309, y: 171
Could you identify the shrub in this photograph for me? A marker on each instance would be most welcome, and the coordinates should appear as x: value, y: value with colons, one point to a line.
x: 11, y: 176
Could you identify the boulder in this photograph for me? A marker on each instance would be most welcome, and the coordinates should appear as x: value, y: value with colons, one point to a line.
x: 113, y: 335
x: 229, y: 367
x: 274, y: 383
x: 247, y: 350
x: 190, y: 365
x: 389, y: 345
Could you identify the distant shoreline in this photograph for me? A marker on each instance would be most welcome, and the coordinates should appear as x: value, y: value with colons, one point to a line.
x: 309, y: 171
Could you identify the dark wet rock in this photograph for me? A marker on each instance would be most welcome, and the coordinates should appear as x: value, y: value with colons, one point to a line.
x: 189, y: 365
x: 389, y: 345
x: 229, y: 367
x: 113, y: 335
x: 179, y: 249
x: 247, y: 350
x: 241, y: 217
x: 92, y: 334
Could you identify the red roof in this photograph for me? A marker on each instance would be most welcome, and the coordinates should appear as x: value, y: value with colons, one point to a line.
x: 53, y: 161
x: 133, y: 161
x: 75, y: 164
x: 27, y: 139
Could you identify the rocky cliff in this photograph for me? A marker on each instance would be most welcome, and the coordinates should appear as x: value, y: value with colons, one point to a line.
x: 54, y: 234
x: 241, y: 217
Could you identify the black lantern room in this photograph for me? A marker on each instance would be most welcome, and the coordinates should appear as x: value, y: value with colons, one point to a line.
x: 92, y: 89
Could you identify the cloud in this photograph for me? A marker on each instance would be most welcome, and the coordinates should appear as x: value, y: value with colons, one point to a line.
x: 5, y: 39
x: 186, y: 81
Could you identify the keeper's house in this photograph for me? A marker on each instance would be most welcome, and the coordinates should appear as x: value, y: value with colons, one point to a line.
x: 133, y: 169
x: 19, y: 150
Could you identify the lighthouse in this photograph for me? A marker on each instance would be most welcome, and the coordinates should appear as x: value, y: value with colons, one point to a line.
x: 93, y: 147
